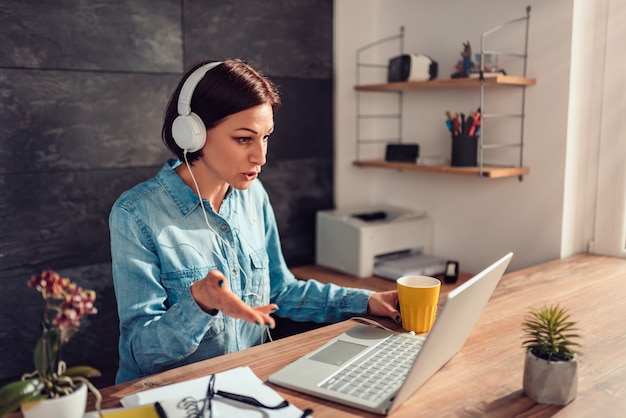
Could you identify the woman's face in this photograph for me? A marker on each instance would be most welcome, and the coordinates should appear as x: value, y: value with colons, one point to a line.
x: 235, y: 148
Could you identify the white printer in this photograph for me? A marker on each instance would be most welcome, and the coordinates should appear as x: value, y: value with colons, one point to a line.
x: 349, y: 240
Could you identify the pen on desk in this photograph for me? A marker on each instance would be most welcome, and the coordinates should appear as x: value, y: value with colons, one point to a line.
x: 159, y: 409
x: 250, y: 400
x: 306, y: 413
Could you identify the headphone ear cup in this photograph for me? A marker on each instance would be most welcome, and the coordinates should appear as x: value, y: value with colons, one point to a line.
x: 189, y: 132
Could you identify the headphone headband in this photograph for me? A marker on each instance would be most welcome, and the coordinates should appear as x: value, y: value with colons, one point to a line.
x: 184, y: 98
x: 188, y: 130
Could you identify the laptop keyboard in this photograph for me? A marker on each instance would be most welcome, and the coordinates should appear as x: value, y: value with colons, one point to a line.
x: 381, y: 373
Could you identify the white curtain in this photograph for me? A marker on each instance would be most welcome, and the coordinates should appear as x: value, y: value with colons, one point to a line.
x: 610, y: 213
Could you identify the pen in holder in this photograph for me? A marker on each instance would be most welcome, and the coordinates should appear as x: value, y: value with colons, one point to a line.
x: 464, y: 150
x: 464, y: 137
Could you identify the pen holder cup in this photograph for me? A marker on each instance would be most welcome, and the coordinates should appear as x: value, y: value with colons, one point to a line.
x: 464, y: 151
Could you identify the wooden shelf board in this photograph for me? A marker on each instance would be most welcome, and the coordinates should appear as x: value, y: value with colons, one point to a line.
x: 501, y: 80
x: 487, y: 171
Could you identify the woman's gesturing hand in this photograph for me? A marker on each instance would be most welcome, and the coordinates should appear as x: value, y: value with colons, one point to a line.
x: 213, y: 292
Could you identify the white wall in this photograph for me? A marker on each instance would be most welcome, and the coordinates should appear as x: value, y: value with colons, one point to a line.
x: 476, y: 220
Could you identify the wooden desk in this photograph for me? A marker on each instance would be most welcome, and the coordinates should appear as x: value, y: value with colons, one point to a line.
x: 485, y: 378
x: 326, y: 275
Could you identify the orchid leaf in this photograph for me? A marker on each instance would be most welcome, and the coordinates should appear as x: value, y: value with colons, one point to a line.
x: 19, y: 388
x: 82, y: 371
x: 39, y: 357
x: 16, y: 393
x: 46, y: 350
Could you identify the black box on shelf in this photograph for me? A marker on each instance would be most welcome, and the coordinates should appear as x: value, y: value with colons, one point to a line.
x: 405, y: 153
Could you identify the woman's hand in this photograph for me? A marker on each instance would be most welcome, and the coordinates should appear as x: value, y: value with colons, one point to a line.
x: 213, y: 292
x: 384, y: 304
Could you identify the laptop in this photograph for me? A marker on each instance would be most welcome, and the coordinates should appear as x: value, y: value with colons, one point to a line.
x: 322, y: 372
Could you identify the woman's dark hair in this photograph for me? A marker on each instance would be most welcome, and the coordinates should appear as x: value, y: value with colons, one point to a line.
x: 231, y: 87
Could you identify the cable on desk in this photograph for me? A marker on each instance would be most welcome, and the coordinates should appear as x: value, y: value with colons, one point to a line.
x: 375, y: 323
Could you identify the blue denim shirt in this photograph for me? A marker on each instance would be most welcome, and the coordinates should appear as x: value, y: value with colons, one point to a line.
x: 161, y: 244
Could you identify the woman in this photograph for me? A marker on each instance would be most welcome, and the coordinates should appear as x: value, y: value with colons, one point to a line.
x: 197, y: 262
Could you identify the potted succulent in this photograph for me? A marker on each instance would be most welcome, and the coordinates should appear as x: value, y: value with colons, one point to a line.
x: 53, y: 384
x: 551, y: 364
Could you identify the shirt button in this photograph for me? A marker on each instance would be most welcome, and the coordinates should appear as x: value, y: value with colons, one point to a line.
x: 224, y: 227
x: 234, y: 271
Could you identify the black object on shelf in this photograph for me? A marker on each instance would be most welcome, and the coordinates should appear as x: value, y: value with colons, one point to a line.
x: 406, y: 153
x: 464, y: 151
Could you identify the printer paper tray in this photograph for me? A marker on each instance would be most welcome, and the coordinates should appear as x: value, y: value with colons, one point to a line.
x: 411, y: 264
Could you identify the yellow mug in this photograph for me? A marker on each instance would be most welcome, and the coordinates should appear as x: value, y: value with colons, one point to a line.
x: 418, y: 297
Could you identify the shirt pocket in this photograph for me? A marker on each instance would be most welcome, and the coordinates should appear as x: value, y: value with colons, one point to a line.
x: 257, y: 292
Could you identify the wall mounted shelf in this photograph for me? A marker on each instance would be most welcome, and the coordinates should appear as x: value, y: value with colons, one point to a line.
x: 481, y: 82
x: 491, y: 172
x: 501, y: 80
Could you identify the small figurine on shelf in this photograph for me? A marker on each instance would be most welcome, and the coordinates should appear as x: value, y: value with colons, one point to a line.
x: 464, y: 66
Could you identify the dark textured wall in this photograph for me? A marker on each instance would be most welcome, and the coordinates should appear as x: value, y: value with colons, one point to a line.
x: 83, y: 86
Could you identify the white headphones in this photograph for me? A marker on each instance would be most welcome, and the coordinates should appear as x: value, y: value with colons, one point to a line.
x: 188, y: 129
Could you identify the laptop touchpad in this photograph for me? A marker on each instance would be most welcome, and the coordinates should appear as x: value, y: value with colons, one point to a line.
x: 338, y: 352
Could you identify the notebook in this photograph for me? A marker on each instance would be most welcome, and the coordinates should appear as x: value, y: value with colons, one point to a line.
x: 318, y: 373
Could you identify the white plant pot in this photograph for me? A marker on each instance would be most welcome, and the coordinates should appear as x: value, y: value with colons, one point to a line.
x: 550, y: 382
x: 68, y: 406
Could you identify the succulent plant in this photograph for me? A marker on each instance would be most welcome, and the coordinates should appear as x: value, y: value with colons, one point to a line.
x: 550, y: 334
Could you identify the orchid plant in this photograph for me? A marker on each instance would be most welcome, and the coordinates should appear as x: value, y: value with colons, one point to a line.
x: 65, y: 305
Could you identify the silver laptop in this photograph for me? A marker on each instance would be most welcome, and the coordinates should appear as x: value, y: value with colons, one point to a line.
x: 395, y: 364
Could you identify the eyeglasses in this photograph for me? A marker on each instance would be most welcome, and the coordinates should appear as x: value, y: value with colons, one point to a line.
x: 207, y: 403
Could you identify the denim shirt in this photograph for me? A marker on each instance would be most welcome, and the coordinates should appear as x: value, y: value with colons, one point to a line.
x: 161, y: 244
